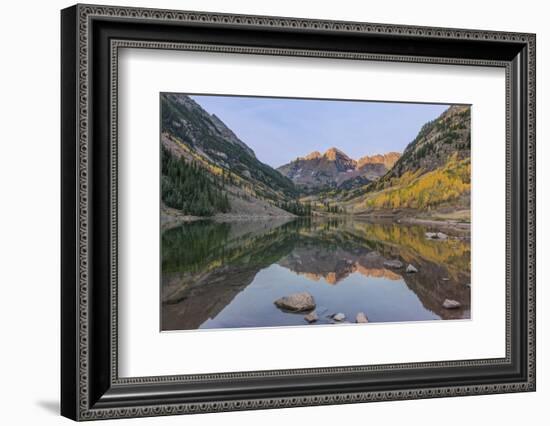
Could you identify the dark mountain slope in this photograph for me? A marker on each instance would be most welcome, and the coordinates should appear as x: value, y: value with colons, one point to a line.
x: 208, y: 137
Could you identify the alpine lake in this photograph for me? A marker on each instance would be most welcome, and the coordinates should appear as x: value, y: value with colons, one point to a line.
x: 219, y: 275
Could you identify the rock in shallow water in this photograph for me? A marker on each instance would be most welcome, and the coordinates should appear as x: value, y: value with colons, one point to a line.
x: 394, y: 264
x: 451, y: 304
x: 361, y: 318
x: 311, y: 317
x: 297, y: 302
x: 411, y: 269
x: 339, y: 316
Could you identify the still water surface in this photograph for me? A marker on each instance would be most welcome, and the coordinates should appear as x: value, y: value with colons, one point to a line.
x: 227, y: 275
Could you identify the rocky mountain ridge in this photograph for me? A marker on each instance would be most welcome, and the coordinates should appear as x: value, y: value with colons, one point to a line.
x: 334, y: 167
x: 231, y: 170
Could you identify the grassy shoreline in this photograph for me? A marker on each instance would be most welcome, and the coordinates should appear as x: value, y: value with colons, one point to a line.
x: 445, y: 221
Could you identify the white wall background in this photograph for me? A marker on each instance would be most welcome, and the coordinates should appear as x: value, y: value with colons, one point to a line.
x: 29, y: 213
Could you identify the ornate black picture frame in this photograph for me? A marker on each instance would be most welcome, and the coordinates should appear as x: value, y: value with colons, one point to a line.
x: 90, y: 38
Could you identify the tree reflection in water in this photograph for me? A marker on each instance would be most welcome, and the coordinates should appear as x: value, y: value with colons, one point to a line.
x: 219, y: 275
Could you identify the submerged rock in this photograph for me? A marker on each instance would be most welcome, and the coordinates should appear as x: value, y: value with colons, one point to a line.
x: 297, y: 302
x: 361, y: 318
x: 311, y: 317
x: 321, y: 309
x: 339, y: 316
x: 451, y: 304
x: 394, y: 264
x: 411, y: 269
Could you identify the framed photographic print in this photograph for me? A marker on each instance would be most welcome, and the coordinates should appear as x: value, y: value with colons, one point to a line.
x: 263, y: 212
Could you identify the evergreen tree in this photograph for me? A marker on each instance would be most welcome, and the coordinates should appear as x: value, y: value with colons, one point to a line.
x: 189, y: 188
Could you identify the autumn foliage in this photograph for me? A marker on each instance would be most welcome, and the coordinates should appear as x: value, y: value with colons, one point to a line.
x: 424, y: 191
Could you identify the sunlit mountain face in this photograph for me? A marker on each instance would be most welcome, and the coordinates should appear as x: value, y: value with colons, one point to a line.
x: 334, y: 167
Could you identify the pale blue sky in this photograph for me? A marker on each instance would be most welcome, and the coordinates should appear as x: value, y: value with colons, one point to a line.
x: 279, y: 130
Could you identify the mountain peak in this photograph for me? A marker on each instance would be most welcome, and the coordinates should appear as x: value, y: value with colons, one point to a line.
x: 334, y: 167
x: 312, y: 155
x: 333, y: 153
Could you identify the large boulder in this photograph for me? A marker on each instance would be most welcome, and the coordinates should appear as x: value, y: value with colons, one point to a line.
x: 297, y: 302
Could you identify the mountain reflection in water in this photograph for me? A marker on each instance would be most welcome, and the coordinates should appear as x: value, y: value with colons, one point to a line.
x: 227, y: 275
